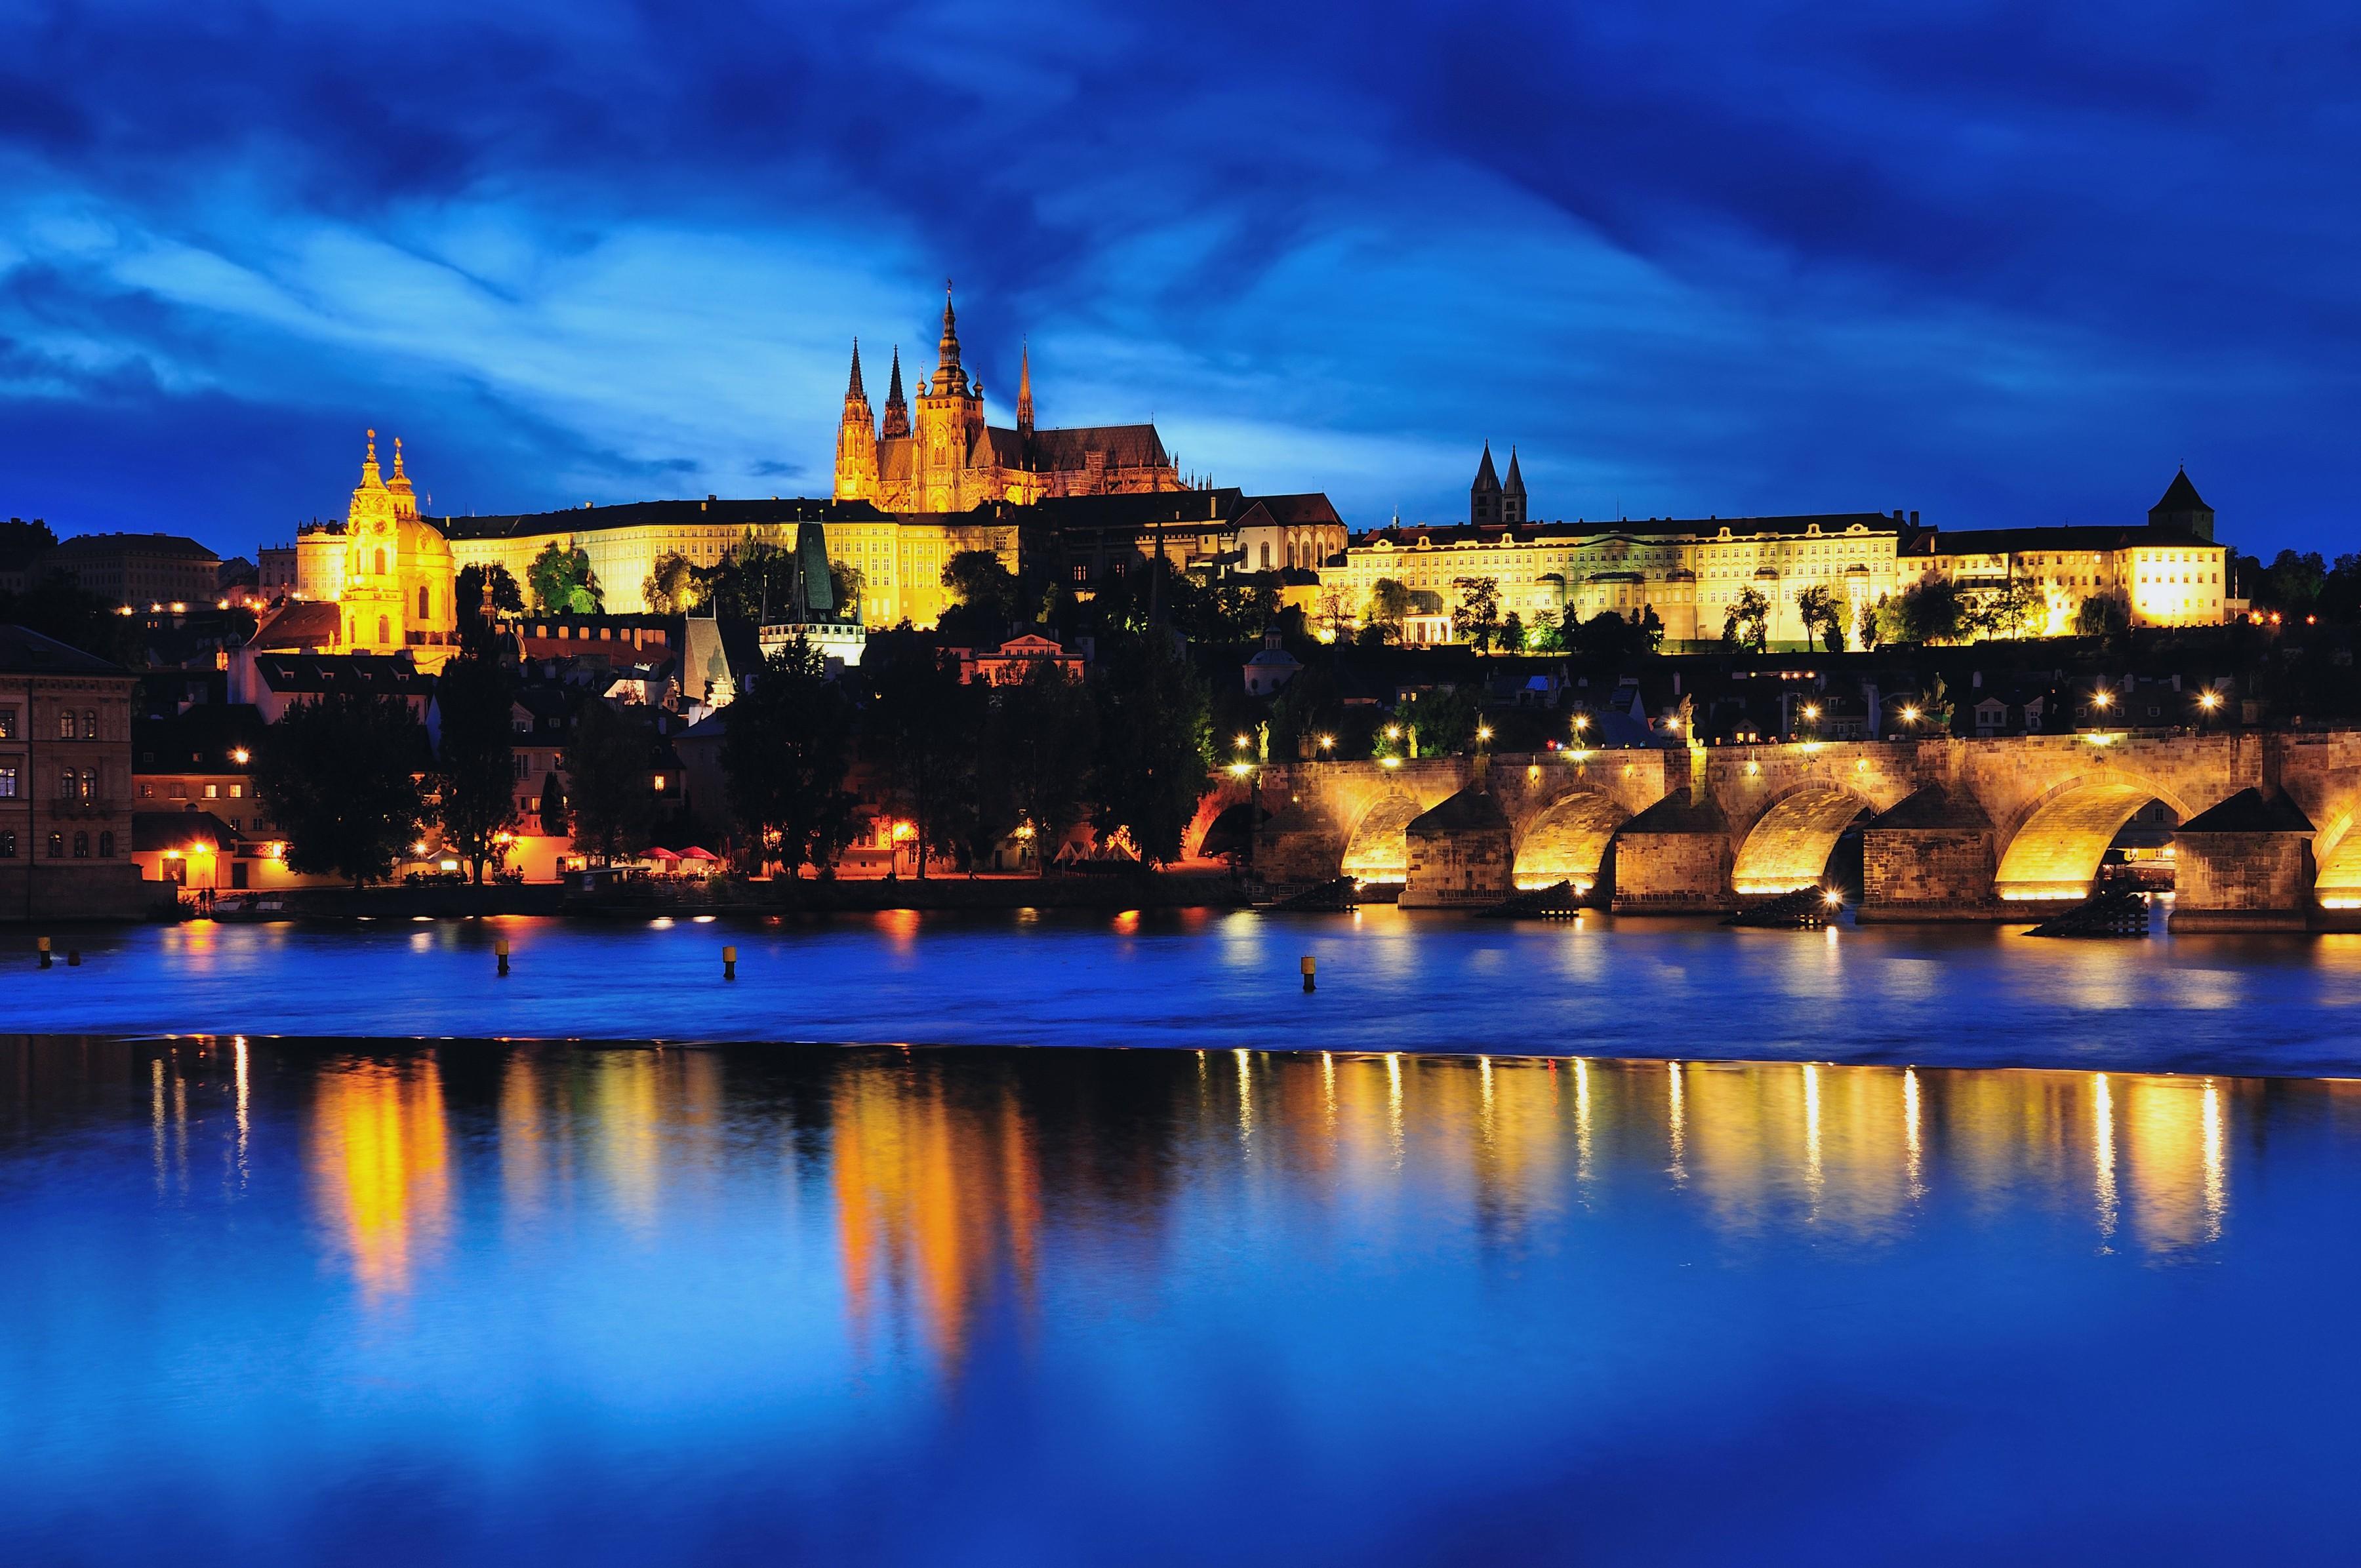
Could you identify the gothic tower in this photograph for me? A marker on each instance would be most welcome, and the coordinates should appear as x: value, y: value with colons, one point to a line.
x: 1484, y: 495
x: 856, y: 439
x: 1513, y: 492
x: 950, y: 421
x: 1024, y: 392
x: 897, y: 410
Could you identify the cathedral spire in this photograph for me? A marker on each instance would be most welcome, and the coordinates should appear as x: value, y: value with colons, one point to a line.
x: 854, y: 392
x: 950, y: 379
x: 1025, y: 390
x: 897, y: 408
x: 371, y: 478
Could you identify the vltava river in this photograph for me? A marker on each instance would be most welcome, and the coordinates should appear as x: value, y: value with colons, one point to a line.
x: 276, y: 1301
x: 1961, y: 996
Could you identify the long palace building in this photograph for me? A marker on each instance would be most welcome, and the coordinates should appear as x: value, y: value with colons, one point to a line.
x: 1691, y: 570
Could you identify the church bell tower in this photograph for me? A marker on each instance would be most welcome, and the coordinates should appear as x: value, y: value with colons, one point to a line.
x: 856, y: 440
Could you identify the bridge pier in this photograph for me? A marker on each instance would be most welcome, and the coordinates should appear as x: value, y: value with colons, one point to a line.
x: 1675, y: 858
x: 1459, y: 854
x: 1929, y: 858
x: 2245, y: 865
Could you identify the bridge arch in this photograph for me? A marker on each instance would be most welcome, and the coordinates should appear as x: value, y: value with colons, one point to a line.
x: 1379, y: 850
x: 1568, y: 841
x: 2336, y: 882
x: 1790, y: 843
x: 2056, y: 848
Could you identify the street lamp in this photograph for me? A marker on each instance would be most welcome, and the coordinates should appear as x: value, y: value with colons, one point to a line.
x: 1327, y: 742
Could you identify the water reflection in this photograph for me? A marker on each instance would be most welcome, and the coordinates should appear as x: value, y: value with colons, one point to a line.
x: 380, y: 1165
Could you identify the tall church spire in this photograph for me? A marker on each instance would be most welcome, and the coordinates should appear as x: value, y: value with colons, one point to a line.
x: 1513, y: 492
x: 1484, y: 495
x: 1025, y: 390
x: 855, y: 391
x: 897, y: 409
x: 950, y: 379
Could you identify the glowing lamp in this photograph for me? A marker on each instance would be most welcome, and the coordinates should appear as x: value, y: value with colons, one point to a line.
x: 241, y: 756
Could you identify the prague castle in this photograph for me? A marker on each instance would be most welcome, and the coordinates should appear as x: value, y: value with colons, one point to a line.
x: 943, y: 457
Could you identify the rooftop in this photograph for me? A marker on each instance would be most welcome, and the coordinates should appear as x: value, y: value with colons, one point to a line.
x: 25, y: 651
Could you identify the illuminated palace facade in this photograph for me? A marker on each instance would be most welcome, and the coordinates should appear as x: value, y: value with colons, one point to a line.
x: 934, y: 481
x: 942, y: 457
x: 1691, y: 570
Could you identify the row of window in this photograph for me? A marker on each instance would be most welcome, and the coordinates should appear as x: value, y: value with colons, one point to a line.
x: 57, y: 845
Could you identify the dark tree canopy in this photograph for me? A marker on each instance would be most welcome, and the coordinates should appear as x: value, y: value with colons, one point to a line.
x: 338, y: 775
x: 788, y: 746
x: 474, y: 771
x: 608, y: 758
x: 1155, y: 746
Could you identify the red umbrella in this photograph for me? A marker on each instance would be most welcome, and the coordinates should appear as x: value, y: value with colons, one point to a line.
x: 663, y: 855
x: 693, y: 854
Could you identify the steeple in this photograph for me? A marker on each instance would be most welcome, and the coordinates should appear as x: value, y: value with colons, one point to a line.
x: 405, y: 501
x: 1484, y: 495
x: 951, y: 381
x: 897, y: 410
x: 1025, y: 390
x: 1513, y: 492
x: 370, y: 477
x: 856, y: 439
x: 855, y: 392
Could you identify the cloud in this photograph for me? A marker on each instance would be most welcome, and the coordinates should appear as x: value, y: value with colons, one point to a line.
x: 2000, y: 262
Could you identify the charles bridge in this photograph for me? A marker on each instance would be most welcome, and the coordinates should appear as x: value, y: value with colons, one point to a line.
x: 1950, y: 829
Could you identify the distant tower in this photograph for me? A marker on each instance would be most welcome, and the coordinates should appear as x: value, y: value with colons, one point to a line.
x: 949, y: 425
x: 897, y: 410
x: 2182, y: 509
x: 1024, y: 392
x: 856, y: 440
x: 1484, y: 495
x: 1513, y: 492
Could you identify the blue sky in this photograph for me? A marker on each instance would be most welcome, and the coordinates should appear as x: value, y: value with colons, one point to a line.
x: 1998, y: 263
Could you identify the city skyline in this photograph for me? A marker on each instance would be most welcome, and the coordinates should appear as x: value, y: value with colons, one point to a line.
x: 2004, y: 271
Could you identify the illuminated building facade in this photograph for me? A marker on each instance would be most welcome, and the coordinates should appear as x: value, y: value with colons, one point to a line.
x: 386, y: 570
x: 942, y: 457
x: 65, y: 782
x: 1692, y: 571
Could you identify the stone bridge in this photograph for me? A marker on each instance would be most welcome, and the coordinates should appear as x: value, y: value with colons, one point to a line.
x: 1950, y: 829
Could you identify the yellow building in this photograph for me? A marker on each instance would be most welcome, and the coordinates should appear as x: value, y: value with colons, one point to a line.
x: 943, y: 456
x: 386, y: 570
x: 1688, y: 570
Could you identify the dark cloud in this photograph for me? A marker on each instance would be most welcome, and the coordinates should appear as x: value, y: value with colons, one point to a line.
x: 2006, y: 262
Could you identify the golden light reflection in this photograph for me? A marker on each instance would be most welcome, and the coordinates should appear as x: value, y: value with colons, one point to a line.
x: 1676, y: 1118
x: 2102, y: 1154
x: 934, y: 1193
x: 1910, y: 1131
x: 380, y: 1167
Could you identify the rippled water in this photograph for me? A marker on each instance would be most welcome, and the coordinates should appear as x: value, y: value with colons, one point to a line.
x: 1968, y: 996
x: 283, y: 1302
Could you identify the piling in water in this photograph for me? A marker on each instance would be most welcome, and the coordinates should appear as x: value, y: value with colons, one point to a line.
x: 45, y: 959
x: 729, y: 963
x: 500, y: 948
x: 1310, y: 965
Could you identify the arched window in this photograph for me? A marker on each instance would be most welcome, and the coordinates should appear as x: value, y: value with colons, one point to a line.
x: 90, y: 724
x: 384, y: 630
x: 107, y: 846
x: 1266, y: 558
x: 380, y: 563
x: 423, y: 602
x: 82, y: 846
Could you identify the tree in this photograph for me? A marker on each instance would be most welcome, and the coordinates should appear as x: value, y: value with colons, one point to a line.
x: 1822, y: 617
x: 1932, y: 610
x: 562, y: 582
x: 607, y: 758
x: 846, y: 585
x: 1606, y: 637
x: 672, y: 588
x: 921, y: 727
x: 2101, y: 615
x: 755, y: 581
x: 1544, y: 635
x: 1307, y: 706
x: 1336, y: 612
x: 2293, y: 583
x: 1748, y: 622
x: 553, y: 812
x: 340, y: 775
x: 1478, y: 614
x: 480, y: 588
x: 1443, y: 721
x: 1155, y: 748
x: 788, y: 745
x: 473, y: 769
x: 2013, y: 609
x: 1042, y: 738
x: 1513, y: 634
x: 1652, y: 629
x: 1389, y: 601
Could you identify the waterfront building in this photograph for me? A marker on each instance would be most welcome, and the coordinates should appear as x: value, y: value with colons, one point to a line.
x: 65, y: 782
x: 136, y: 569
x: 943, y: 456
x: 1691, y: 570
x: 1014, y: 662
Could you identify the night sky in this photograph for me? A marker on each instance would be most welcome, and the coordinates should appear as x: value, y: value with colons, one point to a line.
x: 2003, y: 264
